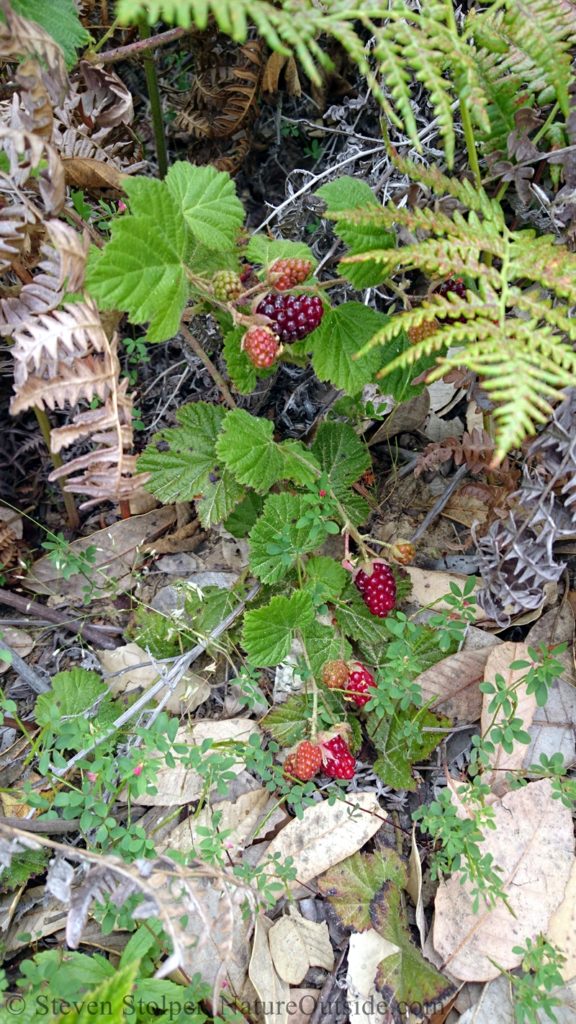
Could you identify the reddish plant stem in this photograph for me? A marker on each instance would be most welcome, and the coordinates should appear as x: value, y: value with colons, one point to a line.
x: 140, y: 46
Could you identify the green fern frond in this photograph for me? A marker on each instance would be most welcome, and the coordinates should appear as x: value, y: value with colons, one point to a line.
x: 533, y: 39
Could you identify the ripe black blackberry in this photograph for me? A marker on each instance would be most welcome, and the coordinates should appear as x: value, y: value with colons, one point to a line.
x: 293, y: 316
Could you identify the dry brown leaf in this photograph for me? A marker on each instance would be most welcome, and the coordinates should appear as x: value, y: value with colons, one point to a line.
x: 179, y: 785
x: 297, y: 944
x: 275, y: 65
x: 533, y: 844
x: 553, y: 729
x: 271, y: 989
x: 117, y: 555
x: 20, y: 642
x: 45, y: 916
x: 429, y: 586
x: 86, y: 172
x: 496, y: 1005
x: 129, y: 668
x: 366, y: 951
x: 407, y: 416
x: 414, y: 886
x: 498, y: 664
x: 465, y: 509
x: 562, y: 928
x: 327, y: 834
x: 240, y: 818
x: 453, y: 685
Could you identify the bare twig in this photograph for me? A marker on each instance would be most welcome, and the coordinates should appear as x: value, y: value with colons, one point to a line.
x: 36, y: 682
x: 212, y: 370
x: 99, y: 635
x: 439, y: 505
x: 139, y: 47
x: 170, y: 680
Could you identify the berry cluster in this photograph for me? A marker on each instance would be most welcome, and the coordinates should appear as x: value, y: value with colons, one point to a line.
x: 226, y: 285
x: 293, y: 316
x: 331, y: 756
x: 377, y: 587
x: 452, y: 284
x: 353, y: 679
x: 286, y: 274
x: 261, y: 346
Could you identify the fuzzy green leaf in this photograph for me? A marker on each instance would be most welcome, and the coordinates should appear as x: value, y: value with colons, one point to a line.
x: 356, y: 621
x: 264, y: 250
x: 208, y: 202
x: 269, y: 631
x: 326, y: 577
x: 181, y: 458
x: 341, y: 334
x: 276, y: 541
x: 141, y: 268
x: 245, y: 515
x: 184, y: 466
x: 285, y: 722
x: 241, y: 371
x: 400, y: 750
x: 341, y: 453
x: 113, y: 993
x: 60, y: 19
x: 73, y: 692
x: 323, y: 644
x: 247, y: 448
x: 345, y: 193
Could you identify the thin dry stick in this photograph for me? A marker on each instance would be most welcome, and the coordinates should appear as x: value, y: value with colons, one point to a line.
x: 170, y: 681
x: 439, y: 505
x: 212, y: 370
x: 98, y: 635
x: 137, y: 48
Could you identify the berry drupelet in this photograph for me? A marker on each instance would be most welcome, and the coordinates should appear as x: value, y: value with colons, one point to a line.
x: 293, y: 316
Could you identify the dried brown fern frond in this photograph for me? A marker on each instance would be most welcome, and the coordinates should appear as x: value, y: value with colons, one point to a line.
x: 21, y: 37
x: 26, y: 152
x: 14, y: 222
x: 42, y: 293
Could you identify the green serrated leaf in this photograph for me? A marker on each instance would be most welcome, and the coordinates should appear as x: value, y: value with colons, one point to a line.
x: 181, y: 458
x: 323, y: 644
x: 400, y: 751
x: 247, y: 447
x: 73, y: 692
x: 346, y: 193
x: 264, y: 250
x: 60, y: 19
x: 355, y: 621
x: 286, y: 722
x: 399, y: 382
x: 276, y: 541
x: 326, y: 576
x: 341, y: 453
x: 208, y: 202
x: 241, y: 371
x: 141, y: 269
x: 269, y: 631
x: 245, y: 515
x: 355, y: 887
x: 343, y: 331
x: 23, y: 866
x: 219, y: 499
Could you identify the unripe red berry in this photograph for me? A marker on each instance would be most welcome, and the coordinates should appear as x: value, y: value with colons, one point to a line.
x: 287, y: 273
x: 307, y: 760
x: 335, y: 675
x: 261, y: 346
x: 403, y: 552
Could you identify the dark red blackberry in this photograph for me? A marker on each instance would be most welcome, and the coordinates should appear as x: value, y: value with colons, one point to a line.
x: 377, y: 587
x: 452, y: 284
x: 293, y: 316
